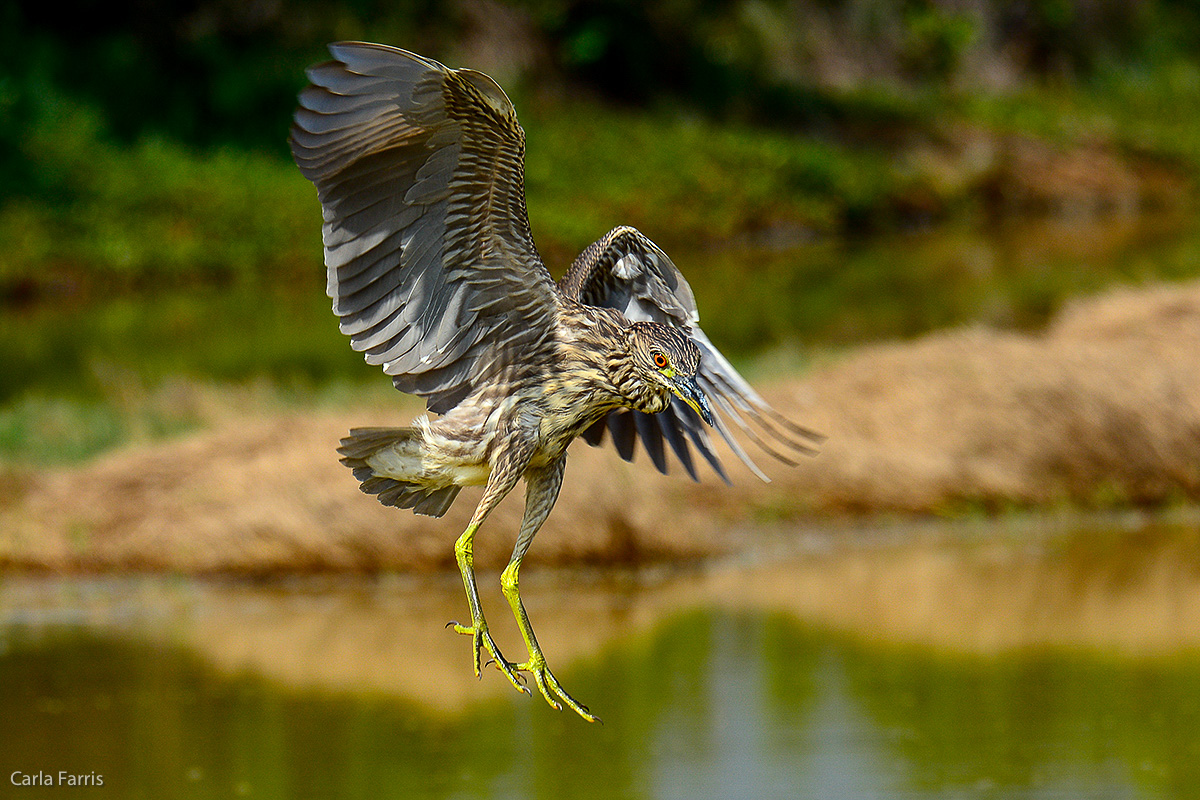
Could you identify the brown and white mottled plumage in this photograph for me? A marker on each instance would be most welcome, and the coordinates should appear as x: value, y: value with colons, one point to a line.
x: 434, y: 275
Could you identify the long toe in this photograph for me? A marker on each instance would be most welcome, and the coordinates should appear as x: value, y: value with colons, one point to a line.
x: 481, y: 639
x: 510, y: 671
x: 476, y: 632
x: 553, y: 691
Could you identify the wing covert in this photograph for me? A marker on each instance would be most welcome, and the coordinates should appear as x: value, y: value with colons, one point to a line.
x: 626, y: 271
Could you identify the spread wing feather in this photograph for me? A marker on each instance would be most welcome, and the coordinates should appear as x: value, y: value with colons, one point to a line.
x: 626, y: 271
x: 420, y: 172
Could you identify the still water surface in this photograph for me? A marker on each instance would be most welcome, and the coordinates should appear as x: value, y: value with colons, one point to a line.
x: 908, y: 666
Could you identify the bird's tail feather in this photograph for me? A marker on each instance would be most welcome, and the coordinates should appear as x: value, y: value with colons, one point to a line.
x: 403, y: 446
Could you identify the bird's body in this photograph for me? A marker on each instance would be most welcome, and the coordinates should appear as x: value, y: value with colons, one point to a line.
x: 540, y: 417
x: 434, y: 275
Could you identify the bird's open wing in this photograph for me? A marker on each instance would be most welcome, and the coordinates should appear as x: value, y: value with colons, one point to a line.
x: 420, y: 173
x: 628, y: 272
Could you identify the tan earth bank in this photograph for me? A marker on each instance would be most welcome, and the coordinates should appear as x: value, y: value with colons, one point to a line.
x: 1101, y: 408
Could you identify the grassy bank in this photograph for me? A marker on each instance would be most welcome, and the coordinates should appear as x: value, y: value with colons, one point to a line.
x: 82, y: 377
x: 1099, y: 411
x: 114, y: 217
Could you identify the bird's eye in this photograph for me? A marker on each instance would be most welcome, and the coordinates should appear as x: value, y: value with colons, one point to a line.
x: 660, y: 361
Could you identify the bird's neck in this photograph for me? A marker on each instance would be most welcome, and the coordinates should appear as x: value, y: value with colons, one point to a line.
x: 589, y: 339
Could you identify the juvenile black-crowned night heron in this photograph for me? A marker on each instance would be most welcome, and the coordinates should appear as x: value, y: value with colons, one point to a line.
x: 434, y: 274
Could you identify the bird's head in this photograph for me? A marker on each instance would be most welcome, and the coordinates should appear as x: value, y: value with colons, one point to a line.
x: 665, y: 362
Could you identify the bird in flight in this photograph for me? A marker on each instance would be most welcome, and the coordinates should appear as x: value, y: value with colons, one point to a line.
x: 435, y: 277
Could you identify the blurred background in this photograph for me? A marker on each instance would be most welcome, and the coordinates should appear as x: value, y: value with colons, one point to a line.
x: 957, y: 236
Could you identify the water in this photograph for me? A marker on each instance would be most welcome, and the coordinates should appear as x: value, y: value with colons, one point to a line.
x: 968, y: 663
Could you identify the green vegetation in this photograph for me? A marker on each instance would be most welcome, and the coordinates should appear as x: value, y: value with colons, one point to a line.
x: 159, y: 212
x: 162, y: 213
x: 154, y: 213
x: 150, y: 150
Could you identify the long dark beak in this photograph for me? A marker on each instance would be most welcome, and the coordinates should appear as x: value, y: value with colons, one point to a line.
x: 687, y: 390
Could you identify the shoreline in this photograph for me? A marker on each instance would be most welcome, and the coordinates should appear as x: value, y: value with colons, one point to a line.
x: 1102, y: 410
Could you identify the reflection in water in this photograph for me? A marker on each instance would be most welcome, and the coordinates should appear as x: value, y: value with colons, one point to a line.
x: 711, y: 685
x: 715, y: 705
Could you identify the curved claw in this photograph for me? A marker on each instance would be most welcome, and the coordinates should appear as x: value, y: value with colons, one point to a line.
x: 482, y: 639
x: 516, y: 670
x: 547, y: 684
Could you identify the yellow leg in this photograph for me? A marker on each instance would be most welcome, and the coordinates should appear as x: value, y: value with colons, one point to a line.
x: 504, y: 476
x: 541, y: 490
x: 547, y: 684
x: 478, y: 630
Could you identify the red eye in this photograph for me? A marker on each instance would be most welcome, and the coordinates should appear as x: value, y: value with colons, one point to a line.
x: 660, y: 360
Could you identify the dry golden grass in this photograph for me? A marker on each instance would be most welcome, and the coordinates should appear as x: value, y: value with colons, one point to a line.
x: 1101, y: 409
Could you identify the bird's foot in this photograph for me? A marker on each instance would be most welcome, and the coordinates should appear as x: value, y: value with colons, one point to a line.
x: 482, y: 639
x: 551, y: 689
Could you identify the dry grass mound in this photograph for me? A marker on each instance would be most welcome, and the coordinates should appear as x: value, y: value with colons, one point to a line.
x: 1103, y: 408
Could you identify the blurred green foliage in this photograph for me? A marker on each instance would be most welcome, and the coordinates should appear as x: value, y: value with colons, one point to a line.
x: 145, y: 141
x: 110, y: 217
x: 213, y: 72
x: 123, y: 217
x: 206, y: 72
